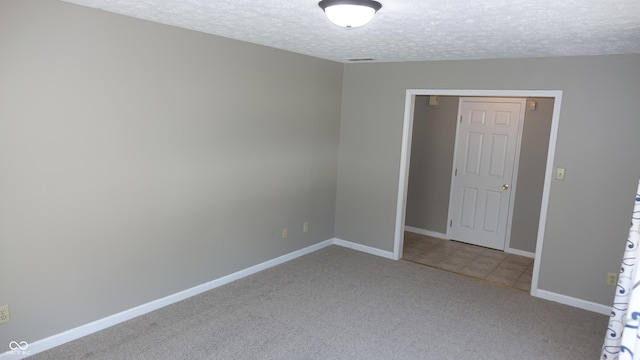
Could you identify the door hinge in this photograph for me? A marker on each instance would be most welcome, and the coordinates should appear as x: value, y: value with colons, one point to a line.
x: 456, y: 174
x: 450, y: 223
x: 461, y: 119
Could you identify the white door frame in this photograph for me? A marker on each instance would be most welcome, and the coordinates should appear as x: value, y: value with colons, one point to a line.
x: 513, y: 183
x: 405, y: 154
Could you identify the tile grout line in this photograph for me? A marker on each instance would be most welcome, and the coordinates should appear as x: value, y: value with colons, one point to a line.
x: 468, y: 276
x: 469, y: 261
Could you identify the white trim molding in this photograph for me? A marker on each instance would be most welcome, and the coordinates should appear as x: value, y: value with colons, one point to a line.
x: 101, y: 324
x: 433, y: 234
x: 571, y: 301
x: 363, y: 248
x: 442, y: 236
x: 528, y: 254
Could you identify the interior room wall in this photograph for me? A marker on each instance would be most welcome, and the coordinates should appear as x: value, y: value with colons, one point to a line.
x: 588, y: 213
x: 432, y: 149
x: 432, y: 145
x: 531, y: 169
x: 139, y: 160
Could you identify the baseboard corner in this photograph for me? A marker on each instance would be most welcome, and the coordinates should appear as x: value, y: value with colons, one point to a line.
x: 433, y: 234
x: 363, y: 248
x: 521, y: 253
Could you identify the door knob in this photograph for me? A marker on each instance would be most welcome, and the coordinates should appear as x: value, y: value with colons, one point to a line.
x: 505, y: 186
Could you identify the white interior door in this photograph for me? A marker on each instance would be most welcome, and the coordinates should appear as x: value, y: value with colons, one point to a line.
x: 487, y: 143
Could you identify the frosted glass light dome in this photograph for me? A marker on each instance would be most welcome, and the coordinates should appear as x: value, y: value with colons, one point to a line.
x: 350, y: 13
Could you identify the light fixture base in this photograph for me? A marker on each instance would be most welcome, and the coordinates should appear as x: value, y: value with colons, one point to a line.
x: 350, y: 13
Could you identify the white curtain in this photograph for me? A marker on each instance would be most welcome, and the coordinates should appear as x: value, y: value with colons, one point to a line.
x: 622, y: 340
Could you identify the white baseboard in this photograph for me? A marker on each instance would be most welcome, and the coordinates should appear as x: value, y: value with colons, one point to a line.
x: 571, y: 301
x: 363, y: 248
x: 434, y: 234
x: 438, y: 235
x: 101, y: 324
x: 520, y: 252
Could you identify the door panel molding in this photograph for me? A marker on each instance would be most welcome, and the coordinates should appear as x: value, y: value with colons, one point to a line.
x: 487, y: 150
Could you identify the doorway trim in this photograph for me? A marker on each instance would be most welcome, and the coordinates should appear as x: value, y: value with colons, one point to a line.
x: 405, y: 154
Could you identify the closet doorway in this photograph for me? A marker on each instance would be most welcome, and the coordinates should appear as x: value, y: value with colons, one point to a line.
x: 529, y: 215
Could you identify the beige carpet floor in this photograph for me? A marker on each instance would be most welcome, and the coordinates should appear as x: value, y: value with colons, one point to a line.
x: 338, y: 303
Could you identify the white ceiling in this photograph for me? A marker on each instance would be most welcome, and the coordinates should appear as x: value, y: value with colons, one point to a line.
x: 409, y: 30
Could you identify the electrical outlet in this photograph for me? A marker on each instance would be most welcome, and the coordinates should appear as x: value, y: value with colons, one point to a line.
x: 305, y: 227
x: 612, y: 279
x: 285, y: 232
x: 4, y: 314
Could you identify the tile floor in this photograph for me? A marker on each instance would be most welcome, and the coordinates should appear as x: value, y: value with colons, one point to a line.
x: 475, y: 261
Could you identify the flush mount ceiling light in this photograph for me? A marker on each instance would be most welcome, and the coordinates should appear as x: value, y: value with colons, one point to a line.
x: 350, y: 13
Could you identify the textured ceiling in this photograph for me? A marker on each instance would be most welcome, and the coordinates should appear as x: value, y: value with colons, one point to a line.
x: 409, y: 30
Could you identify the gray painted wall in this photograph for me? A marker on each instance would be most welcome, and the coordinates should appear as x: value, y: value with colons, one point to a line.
x: 432, y: 150
x: 432, y: 145
x: 532, y: 165
x: 589, y: 212
x: 139, y: 160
